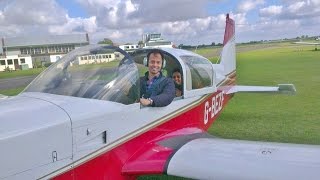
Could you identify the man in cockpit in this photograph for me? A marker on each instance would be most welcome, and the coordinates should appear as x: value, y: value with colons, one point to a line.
x: 156, y: 90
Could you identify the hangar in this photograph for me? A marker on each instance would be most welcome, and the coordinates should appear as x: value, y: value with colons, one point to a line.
x: 34, y: 51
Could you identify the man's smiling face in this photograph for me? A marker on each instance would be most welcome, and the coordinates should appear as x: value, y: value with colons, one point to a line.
x: 155, y: 63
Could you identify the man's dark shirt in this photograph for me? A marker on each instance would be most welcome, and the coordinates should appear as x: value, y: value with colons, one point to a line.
x: 160, y: 89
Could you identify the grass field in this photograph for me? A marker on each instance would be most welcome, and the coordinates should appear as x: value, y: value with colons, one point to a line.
x: 11, y: 92
x: 19, y: 73
x: 271, y: 117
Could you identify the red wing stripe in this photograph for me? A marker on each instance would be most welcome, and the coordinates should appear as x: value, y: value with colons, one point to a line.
x: 154, y: 158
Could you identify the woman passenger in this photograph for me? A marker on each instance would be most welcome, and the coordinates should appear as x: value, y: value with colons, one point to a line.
x: 177, y: 78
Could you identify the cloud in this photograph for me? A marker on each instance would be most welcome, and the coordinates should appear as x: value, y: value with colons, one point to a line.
x: 301, y: 9
x: 116, y: 35
x: 288, y: 2
x: 171, y: 18
x: 248, y: 5
x: 239, y: 18
x: 304, y: 9
x: 206, y: 30
x: 290, y: 19
x: 181, y: 21
x: 10, y: 30
x: 1, y: 17
x: 19, y: 18
x: 110, y: 14
x: 168, y: 10
x: 132, y: 13
x: 270, y: 11
x: 120, y: 36
x: 296, y: 6
x: 32, y: 12
x: 75, y: 25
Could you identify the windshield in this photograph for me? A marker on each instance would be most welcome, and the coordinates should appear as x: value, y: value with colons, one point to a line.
x: 95, y: 72
x: 199, y: 72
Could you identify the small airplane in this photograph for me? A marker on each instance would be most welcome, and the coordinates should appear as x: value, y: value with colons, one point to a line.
x: 80, y: 119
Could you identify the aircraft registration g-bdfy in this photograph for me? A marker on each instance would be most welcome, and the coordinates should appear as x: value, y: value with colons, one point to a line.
x: 80, y: 119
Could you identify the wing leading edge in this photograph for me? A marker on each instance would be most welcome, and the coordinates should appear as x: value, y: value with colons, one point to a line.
x: 212, y: 158
x: 281, y: 88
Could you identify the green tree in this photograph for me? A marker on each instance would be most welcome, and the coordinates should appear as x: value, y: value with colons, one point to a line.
x: 140, y: 43
x: 106, y: 41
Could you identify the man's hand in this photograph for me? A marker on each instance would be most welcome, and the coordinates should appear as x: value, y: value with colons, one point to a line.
x: 178, y: 93
x: 145, y: 102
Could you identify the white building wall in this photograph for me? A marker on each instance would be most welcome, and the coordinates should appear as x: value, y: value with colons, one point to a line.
x: 95, y: 59
x: 54, y: 58
x: 8, y: 59
x: 130, y: 47
x: 28, y: 60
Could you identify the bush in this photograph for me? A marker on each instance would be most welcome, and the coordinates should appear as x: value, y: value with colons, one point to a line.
x: 47, y: 64
x: 7, y: 69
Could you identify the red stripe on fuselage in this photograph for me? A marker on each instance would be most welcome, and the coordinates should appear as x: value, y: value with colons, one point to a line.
x: 109, y: 165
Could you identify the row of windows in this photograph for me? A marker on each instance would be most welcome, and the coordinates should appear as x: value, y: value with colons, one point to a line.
x: 10, y: 61
x: 158, y: 43
x: 46, y: 50
x: 126, y: 47
x: 89, y: 57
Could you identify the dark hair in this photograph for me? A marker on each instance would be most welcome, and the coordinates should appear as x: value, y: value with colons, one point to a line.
x: 155, y: 51
x: 176, y: 70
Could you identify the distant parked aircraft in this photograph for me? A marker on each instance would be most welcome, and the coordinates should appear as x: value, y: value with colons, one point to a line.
x: 310, y: 43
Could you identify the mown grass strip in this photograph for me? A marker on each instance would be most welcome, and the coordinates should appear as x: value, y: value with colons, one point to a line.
x: 19, y: 73
x: 269, y: 117
x: 11, y: 92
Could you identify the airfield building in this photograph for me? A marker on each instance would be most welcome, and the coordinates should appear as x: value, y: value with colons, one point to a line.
x: 129, y: 47
x: 154, y: 40
x: 95, y: 59
x: 32, y: 51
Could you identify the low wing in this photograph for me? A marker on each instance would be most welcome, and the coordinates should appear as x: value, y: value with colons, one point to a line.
x: 208, y: 158
x: 202, y: 156
x: 281, y: 88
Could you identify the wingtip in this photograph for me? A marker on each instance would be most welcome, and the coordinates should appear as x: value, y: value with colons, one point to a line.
x: 287, y: 88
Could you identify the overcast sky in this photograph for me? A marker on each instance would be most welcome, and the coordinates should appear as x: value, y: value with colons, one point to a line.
x: 181, y: 21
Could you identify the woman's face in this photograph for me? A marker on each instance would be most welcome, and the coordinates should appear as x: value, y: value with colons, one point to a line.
x: 177, y: 77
